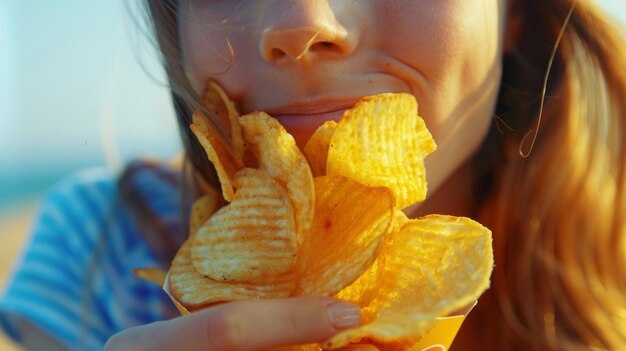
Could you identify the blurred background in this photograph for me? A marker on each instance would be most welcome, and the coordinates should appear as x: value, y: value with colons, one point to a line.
x: 80, y: 86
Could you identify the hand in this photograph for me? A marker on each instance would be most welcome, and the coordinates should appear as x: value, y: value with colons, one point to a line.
x: 245, y: 325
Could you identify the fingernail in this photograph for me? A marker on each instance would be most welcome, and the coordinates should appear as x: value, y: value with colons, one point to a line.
x: 343, y: 315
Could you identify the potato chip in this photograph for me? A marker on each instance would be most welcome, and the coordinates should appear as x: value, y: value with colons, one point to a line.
x: 400, y: 220
x: 253, y: 238
x: 202, y: 209
x: 154, y: 275
x: 194, y: 291
x: 279, y: 156
x: 342, y: 233
x: 166, y: 287
x: 344, y: 238
x: 218, y: 153
x: 216, y: 100
x: 181, y: 309
x: 382, y: 141
x: 316, y: 149
x: 433, y: 266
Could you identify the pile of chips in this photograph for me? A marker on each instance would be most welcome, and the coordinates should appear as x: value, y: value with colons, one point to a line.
x: 327, y: 220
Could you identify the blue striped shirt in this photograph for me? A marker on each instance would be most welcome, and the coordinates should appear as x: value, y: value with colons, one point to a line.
x: 74, y: 279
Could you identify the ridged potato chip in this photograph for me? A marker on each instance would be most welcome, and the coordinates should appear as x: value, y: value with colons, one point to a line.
x: 433, y: 265
x: 154, y: 275
x: 218, y: 153
x: 400, y: 219
x: 216, y: 100
x: 345, y: 237
x: 253, y: 238
x: 341, y: 234
x: 194, y: 291
x: 316, y: 149
x: 279, y: 156
x: 202, y: 209
x: 382, y: 141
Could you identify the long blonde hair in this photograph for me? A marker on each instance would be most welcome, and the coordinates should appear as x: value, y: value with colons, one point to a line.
x: 552, y: 189
x: 557, y: 206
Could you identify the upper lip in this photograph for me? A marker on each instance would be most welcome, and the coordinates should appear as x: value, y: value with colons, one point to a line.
x: 312, y: 107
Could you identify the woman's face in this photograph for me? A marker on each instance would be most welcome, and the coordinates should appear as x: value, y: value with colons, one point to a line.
x: 306, y: 61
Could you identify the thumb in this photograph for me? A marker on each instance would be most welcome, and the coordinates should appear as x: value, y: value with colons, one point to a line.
x: 246, y: 325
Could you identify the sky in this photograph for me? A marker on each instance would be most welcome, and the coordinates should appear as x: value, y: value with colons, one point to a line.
x: 80, y: 87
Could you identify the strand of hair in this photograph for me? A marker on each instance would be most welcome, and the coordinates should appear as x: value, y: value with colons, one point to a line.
x: 535, y: 132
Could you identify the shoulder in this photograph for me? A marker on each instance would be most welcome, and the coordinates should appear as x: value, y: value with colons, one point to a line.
x: 152, y: 185
x: 83, y: 246
x: 79, y: 200
x: 91, y: 202
x: 92, y: 192
x: 99, y: 211
x: 71, y: 215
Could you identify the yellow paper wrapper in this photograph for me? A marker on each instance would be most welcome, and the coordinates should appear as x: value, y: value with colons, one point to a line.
x: 166, y: 287
x: 441, y: 336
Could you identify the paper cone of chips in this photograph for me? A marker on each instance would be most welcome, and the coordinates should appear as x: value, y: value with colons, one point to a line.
x: 328, y: 221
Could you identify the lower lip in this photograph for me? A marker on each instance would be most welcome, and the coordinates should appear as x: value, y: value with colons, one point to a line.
x: 301, y: 127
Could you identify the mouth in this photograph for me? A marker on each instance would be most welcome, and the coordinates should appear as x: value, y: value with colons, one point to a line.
x: 302, y: 126
x: 301, y: 120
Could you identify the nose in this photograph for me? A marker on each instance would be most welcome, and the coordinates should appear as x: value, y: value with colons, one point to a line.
x: 304, y: 31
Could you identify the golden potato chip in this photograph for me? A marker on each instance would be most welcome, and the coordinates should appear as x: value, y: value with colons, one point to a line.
x: 344, y: 237
x: 216, y: 100
x: 218, y: 153
x: 433, y: 266
x: 343, y: 233
x: 316, y: 149
x: 194, y: 291
x: 382, y: 141
x: 400, y: 219
x: 202, y: 209
x: 154, y: 275
x: 253, y: 238
x: 279, y: 156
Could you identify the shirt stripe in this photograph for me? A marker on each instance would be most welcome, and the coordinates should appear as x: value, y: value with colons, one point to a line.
x: 75, y: 280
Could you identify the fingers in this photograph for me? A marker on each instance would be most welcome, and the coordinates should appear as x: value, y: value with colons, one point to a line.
x: 249, y: 325
x: 260, y: 324
x: 145, y: 337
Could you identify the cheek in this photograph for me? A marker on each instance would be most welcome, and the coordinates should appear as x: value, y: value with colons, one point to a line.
x: 454, y: 44
x: 444, y: 41
x: 213, y: 53
x: 203, y: 51
x: 468, y: 72
x: 424, y: 34
x: 229, y: 56
x: 454, y: 47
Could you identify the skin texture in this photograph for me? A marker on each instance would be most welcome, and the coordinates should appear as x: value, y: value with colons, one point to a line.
x: 240, y: 326
x: 306, y: 61
x: 300, y: 60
